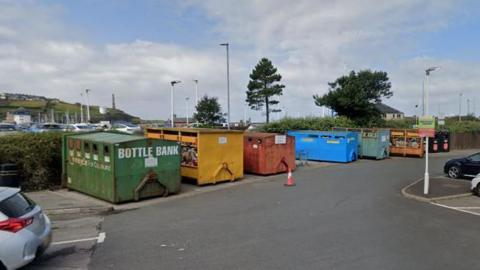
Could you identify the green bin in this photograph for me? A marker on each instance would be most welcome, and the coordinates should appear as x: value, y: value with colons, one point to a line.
x: 118, y: 167
x: 372, y: 142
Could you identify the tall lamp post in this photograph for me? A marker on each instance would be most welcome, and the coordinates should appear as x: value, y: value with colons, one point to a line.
x: 228, y: 84
x: 426, y: 182
x: 81, y: 108
x: 460, y: 108
x: 196, y: 91
x: 88, y: 105
x: 172, y: 83
x: 186, y: 105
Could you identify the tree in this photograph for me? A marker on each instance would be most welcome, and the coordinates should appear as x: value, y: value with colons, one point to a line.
x: 209, y: 111
x: 262, y: 86
x: 355, y: 95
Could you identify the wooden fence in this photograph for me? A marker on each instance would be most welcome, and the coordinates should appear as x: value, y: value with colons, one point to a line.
x: 468, y: 140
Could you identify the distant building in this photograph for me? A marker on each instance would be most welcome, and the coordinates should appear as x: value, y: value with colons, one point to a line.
x: 19, y: 116
x: 3, y: 95
x: 389, y: 113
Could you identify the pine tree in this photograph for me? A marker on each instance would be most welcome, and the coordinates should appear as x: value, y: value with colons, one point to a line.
x: 263, y: 85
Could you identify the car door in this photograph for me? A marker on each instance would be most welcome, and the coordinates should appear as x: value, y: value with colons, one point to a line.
x: 472, y: 165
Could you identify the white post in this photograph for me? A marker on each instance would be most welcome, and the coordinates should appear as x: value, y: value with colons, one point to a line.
x: 196, y: 92
x: 426, y: 182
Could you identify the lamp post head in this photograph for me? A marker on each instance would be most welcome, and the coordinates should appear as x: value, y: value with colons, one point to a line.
x: 196, y: 81
x: 430, y: 69
x: 224, y: 44
x: 174, y: 82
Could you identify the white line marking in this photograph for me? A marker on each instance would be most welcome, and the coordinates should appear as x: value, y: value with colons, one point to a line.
x: 456, y: 208
x: 100, y: 239
x: 468, y: 207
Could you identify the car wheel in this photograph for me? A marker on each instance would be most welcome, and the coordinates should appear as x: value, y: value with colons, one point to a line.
x: 454, y: 172
x: 476, y: 190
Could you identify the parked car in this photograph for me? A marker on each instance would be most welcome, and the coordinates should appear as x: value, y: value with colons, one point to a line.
x: 79, y: 128
x: 126, y: 127
x: 46, y: 127
x: 475, y: 186
x: 6, y: 128
x: 459, y: 167
x: 25, y: 231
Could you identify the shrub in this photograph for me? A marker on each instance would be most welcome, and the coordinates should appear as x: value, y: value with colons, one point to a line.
x: 38, y: 156
x: 307, y: 123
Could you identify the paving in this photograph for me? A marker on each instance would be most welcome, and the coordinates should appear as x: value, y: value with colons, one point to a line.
x: 440, y: 187
x: 348, y: 216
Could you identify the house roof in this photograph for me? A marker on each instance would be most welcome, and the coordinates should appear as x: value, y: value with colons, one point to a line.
x: 386, y: 109
x: 21, y: 111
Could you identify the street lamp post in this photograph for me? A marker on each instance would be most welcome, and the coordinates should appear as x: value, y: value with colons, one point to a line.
x: 228, y: 83
x: 81, y: 108
x: 196, y: 92
x: 172, y: 83
x: 468, y: 106
x: 460, y: 108
x: 186, y: 105
x: 426, y: 181
x: 88, y: 105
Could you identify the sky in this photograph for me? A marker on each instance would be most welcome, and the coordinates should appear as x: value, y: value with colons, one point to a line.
x: 135, y: 48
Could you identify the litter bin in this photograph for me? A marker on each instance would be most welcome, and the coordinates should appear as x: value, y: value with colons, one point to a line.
x: 9, y: 176
x: 372, y: 142
x: 406, y: 142
x: 268, y: 153
x: 433, y: 144
x: 336, y: 146
x: 443, y: 138
x: 118, y: 167
x: 208, y: 155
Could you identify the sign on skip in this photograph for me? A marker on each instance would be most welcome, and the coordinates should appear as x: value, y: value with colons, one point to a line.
x: 144, y: 152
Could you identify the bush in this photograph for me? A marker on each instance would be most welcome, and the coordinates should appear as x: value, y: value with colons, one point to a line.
x: 38, y: 156
x: 463, y: 126
x: 307, y: 123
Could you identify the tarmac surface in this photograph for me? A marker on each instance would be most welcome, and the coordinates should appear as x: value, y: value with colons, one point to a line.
x: 347, y: 216
x: 440, y: 187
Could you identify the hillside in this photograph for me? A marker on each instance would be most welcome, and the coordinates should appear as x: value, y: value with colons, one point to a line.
x: 60, y: 108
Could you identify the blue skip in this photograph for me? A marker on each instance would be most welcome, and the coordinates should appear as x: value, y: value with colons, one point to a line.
x: 335, y: 146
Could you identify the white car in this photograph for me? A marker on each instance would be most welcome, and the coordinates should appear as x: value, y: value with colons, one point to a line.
x: 475, y: 186
x: 126, y: 128
x: 25, y: 231
x: 80, y: 128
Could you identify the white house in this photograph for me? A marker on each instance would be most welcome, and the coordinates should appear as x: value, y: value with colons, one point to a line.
x: 19, y: 116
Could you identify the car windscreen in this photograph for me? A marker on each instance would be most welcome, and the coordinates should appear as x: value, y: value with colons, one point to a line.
x: 16, y: 206
x: 475, y: 157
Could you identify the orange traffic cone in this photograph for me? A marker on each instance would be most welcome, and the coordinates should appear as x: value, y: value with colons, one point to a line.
x: 290, y: 181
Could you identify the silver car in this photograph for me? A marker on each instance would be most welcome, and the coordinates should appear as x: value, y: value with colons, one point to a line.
x: 25, y: 231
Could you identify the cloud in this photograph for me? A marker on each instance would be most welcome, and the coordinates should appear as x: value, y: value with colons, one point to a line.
x: 311, y: 43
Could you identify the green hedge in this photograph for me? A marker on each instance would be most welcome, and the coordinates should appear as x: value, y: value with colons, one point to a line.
x: 38, y: 156
x: 307, y: 123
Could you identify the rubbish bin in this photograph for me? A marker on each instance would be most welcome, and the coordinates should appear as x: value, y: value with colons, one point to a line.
x: 443, y: 138
x: 433, y: 144
x: 208, y: 155
x: 335, y: 146
x: 9, y: 176
x: 406, y: 142
x: 118, y: 167
x: 268, y: 153
x: 372, y: 142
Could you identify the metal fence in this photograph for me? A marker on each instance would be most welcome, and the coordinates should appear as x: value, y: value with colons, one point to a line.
x: 467, y: 140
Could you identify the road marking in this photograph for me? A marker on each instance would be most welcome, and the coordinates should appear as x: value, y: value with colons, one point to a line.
x: 468, y: 207
x: 100, y: 239
x: 456, y: 208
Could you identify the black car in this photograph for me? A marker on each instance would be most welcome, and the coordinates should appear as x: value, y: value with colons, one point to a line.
x: 468, y: 166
